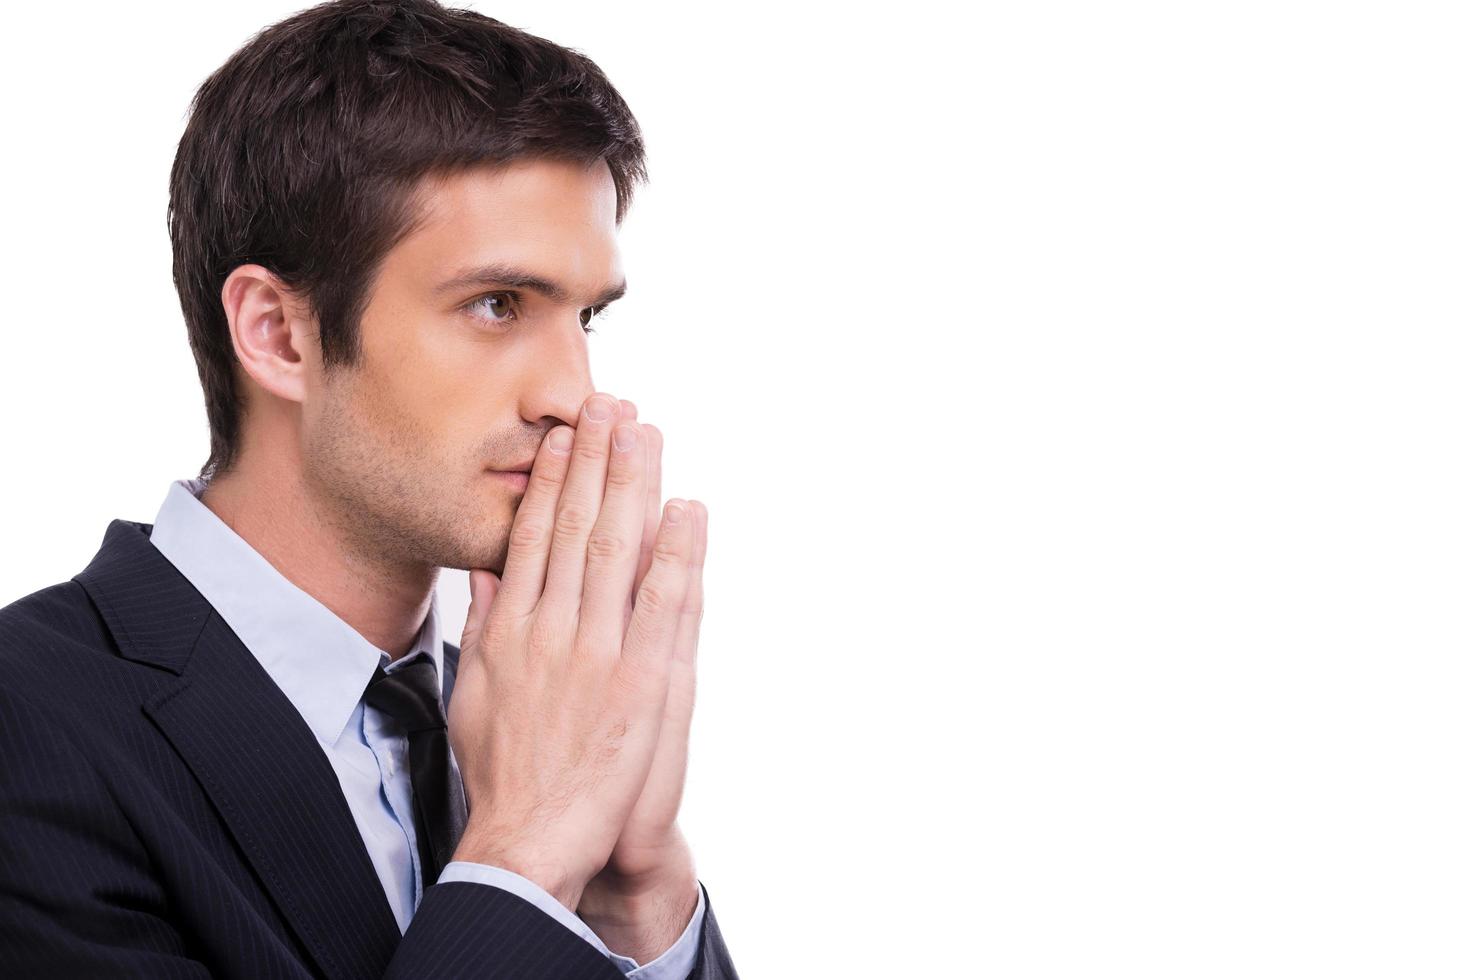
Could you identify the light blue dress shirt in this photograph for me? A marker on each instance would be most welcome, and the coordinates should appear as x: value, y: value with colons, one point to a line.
x: 323, y: 666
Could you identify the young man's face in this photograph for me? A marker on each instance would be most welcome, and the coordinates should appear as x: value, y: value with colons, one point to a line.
x: 457, y: 380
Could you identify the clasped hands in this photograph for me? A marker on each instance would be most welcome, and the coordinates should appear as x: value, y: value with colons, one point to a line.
x: 575, y: 689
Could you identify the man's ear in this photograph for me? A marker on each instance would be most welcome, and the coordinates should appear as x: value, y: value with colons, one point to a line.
x: 272, y: 330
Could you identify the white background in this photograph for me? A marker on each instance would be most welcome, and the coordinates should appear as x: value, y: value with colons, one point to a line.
x: 1078, y: 394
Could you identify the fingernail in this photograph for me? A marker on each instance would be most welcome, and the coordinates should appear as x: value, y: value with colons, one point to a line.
x: 675, y: 513
x: 598, y: 410
x: 561, y: 440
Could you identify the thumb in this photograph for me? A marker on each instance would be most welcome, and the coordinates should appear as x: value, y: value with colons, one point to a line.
x: 482, y: 588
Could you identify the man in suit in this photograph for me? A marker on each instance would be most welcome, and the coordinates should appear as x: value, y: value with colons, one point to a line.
x: 237, y: 744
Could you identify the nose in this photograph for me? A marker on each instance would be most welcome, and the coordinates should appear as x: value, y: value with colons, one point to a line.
x: 553, y: 391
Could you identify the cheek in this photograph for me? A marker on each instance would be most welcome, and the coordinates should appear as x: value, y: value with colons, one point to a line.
x: 373, y: 417
x: 436, y: 387
x: 427, y: 401
x: 419, y: 356
x: 399, y: 367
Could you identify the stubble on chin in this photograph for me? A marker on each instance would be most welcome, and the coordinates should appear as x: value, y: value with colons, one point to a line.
x: 384, y: 495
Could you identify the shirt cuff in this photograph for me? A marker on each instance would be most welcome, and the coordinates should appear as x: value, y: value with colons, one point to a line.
x: 675, y: 962
x: 520, y: 885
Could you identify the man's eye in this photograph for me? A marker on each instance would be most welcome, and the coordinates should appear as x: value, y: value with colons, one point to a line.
x: 501, y: 307
x: 494, y: 307
x: 588, y: 313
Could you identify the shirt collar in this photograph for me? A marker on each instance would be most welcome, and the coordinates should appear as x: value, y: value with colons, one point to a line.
x: 322, y: 664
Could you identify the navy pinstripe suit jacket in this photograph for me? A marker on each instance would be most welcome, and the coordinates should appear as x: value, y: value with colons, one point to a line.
x: 166, y: 812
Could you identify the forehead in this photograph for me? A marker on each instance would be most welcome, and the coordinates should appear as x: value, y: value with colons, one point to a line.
x: 550, y: 216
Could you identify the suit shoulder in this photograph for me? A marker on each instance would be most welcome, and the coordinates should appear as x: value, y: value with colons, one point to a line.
x: 63, y: 610
x: 50, y: 634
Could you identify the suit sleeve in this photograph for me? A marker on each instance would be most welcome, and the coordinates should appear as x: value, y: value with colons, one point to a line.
x: 672, y: 964
x: 77, y: 898
x: 464, y: 929
x: 713, y: 962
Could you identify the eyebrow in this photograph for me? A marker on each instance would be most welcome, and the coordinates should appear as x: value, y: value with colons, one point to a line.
x: 508, y: 275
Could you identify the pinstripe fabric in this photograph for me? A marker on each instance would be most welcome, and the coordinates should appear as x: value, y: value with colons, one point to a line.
x: 166, y: 812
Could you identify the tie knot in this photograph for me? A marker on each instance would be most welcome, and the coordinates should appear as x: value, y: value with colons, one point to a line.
x: 409, y: 695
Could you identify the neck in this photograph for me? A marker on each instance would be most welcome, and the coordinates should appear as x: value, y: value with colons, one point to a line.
x: 272, y: 509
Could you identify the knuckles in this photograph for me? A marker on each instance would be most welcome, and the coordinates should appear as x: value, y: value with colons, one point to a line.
x: 624, y: 475
x: 573, y: 517
x: 605, y: 544
x: 635, y: 686
x: 528, y: 533
x: 654, y: 597
x: 544, y: 637
x: 590, y: 450
x: 667, y: 547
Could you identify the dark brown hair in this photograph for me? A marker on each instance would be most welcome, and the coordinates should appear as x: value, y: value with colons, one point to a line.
x: 303, y: 150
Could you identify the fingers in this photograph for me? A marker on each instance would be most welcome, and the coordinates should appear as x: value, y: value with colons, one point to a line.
x: 582, y: 493
x: 693, y: 605
x: 482, y: 587
x: 658, y: 605
x: 679, y: 706
x: 530, y: 536
x: 655, y: 498
x: 653, y: 452
x: 615, y: 541
x: 586, y: 532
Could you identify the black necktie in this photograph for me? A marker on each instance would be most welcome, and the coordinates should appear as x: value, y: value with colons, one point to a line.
x: 410, y: 696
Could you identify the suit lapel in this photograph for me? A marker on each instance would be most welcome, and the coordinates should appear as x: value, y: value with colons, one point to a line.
x: 252, y: 752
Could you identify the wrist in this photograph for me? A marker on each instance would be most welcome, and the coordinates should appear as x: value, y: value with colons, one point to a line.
x: 641, y: 916
x: 548, y: 872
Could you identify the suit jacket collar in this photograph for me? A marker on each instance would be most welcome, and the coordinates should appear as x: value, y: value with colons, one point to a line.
x: 252, y: 753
